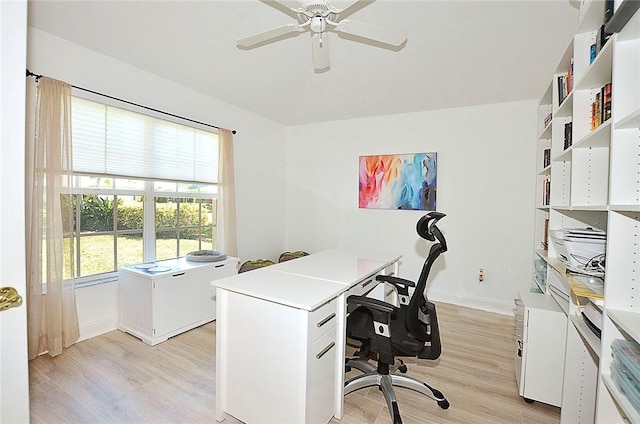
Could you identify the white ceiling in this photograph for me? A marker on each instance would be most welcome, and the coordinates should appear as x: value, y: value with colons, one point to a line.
x: 458, y: 53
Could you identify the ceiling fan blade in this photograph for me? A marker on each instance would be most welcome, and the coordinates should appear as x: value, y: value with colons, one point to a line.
x: 320, y: 52
x: 373, y: 32
x: 269, y: 34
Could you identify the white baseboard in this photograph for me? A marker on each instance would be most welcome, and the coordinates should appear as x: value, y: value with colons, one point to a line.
x: 484, y: 304
x: 98, y: 327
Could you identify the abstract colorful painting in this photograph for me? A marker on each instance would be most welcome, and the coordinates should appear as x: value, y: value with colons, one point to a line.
x: 406, y: 181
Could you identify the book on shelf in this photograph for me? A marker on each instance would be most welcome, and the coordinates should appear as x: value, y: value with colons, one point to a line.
x: 601, y: 38
x: 547, y: 119
x: 562, y: 87
x: 595, y: 112
x: 568, y: 138
x: 546, y: 192
x: 546, y: 158
x: 606, y: 102
x: 601, y: 107
x: 570, y: 77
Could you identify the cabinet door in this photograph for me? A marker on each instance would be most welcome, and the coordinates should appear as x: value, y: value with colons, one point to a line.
x: 204, y: 294
x: 544, y: 354
x: 174, y: 300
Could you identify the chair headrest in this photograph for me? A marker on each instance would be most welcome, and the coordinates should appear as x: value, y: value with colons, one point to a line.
x: 425, y: 225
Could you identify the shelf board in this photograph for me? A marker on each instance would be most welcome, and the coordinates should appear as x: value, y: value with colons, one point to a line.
x: 542, y: 287
x: 543, y: 254
x: 599, y: 137
x: 624, y: 208
x: 594, y: 208
x: 560, y: 207
x: 597, y: 208
x: 566, y: 108
x: 627, y: 321
x: 564, y: 156
x: 631, y: 121
x: 556, y: 264
x: 599, y: 70
x: 620, y: 398
x: 545, y: 171
x: 587, y: 335
x: 546, y: 132
x: 561, y: 301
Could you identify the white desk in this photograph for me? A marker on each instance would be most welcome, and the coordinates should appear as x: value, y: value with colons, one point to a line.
x: 280, y: 336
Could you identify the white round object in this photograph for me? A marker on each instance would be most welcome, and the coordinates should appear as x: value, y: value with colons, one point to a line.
x: 206, y: 256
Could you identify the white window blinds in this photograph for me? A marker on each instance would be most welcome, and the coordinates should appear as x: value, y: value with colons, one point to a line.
x: 111, y: 141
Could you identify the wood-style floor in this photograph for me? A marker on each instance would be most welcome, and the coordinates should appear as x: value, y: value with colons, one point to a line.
x: 115, y: 378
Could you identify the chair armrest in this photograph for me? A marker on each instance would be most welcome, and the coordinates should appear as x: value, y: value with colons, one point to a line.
x: 372, y: 304
x: 402, y: 286
x: 396, y: 281
x: 380, y: 310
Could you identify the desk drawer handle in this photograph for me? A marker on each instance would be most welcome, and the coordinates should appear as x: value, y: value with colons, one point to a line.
x: 325, y: 350
x: 366, y: 283
x: 178, y: 275
x: 326, y: 320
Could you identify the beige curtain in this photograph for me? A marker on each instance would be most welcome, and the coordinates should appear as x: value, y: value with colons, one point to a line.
x: 227, y: 240
x: 51, y: 308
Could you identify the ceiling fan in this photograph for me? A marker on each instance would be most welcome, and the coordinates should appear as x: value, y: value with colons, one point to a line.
x: 318, y: 17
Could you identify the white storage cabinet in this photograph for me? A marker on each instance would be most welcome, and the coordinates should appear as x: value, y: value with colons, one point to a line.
x: 540, y: 331
x: 157, y: 305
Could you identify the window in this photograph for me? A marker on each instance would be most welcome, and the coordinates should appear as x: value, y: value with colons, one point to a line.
x: 144, y: 189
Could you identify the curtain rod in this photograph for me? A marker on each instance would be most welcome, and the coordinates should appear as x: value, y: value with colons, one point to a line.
x: 37, y: 77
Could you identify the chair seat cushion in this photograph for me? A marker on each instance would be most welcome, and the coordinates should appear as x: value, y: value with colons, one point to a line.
x: 360, y: 327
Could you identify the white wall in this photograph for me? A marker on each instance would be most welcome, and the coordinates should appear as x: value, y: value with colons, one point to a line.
x: 486, y: 167
x: 259, y: 148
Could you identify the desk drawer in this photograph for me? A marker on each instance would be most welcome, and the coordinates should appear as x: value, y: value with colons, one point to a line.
x: 363, y: 287
x: 322, y: 319
x: 321, y: 379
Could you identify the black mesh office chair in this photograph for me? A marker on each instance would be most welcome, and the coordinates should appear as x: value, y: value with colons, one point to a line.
x: 387, y: 331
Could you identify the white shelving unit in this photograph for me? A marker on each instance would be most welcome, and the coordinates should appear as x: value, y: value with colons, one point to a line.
x: 594, y: 182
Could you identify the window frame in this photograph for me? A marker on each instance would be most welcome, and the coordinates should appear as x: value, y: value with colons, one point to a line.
x: 149, y: 195
x: 149, y: 192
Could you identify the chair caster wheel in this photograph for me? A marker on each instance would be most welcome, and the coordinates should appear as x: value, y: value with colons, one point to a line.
x: 402, y: 368
x: 444, y: 404
x: 347, y: 369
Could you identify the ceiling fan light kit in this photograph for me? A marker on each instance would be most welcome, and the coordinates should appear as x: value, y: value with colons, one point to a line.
x: 319, y: 17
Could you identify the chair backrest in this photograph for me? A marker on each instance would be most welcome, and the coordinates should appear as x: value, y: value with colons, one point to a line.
x: 419, y: 304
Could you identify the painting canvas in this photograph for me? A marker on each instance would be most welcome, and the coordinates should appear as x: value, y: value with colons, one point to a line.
x: 404, y: 181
